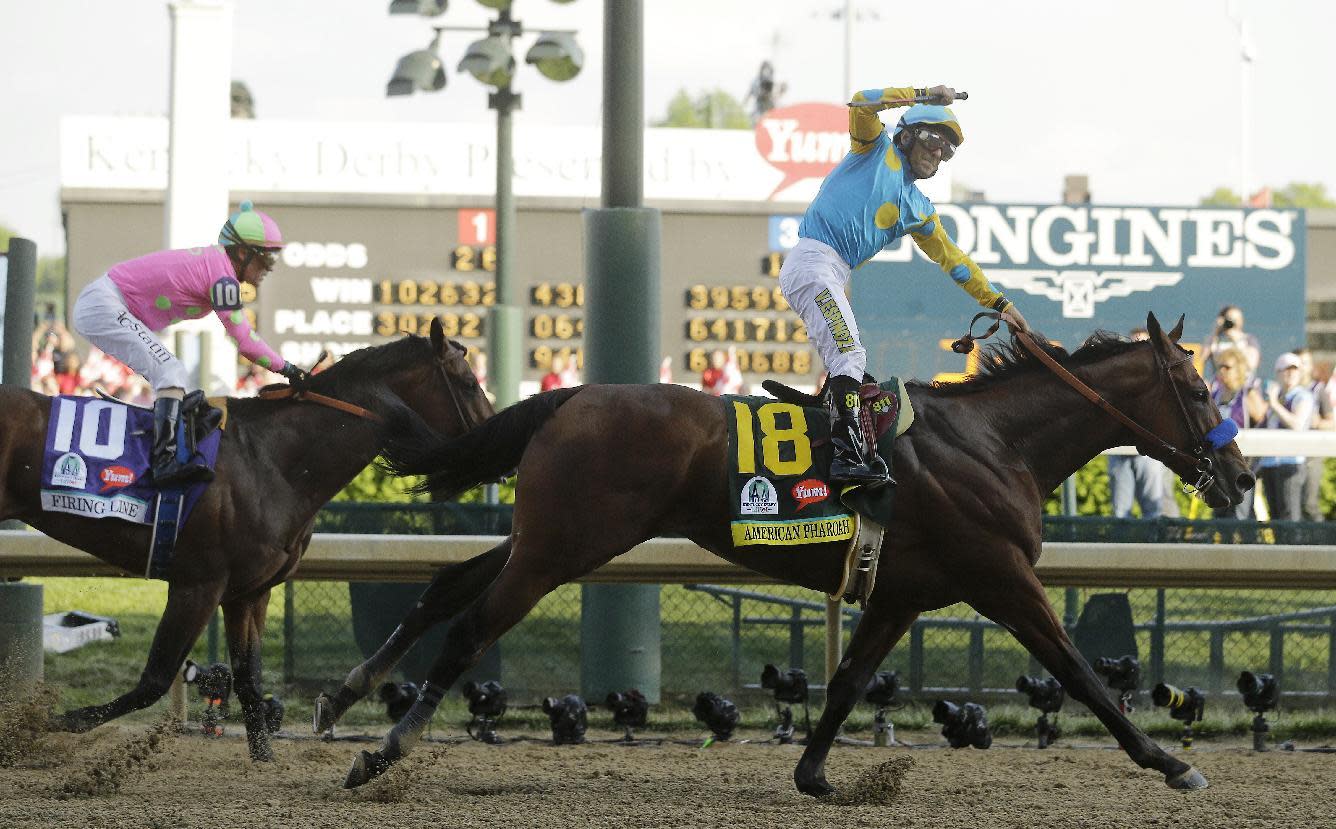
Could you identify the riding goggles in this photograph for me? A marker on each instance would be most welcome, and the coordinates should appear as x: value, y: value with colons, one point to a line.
x: 933, y: 141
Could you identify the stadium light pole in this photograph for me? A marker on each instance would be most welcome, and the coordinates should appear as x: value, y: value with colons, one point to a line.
x: 491, y: 60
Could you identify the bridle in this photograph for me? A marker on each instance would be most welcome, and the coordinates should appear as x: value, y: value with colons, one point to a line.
x: 1198, y: 457
x: 288, y: 392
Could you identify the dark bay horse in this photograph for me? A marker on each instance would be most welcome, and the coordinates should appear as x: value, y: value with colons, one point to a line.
x: 973, y: 473
x: 278, y: 463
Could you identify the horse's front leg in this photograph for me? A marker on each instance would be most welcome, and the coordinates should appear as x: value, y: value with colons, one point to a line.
x: 883, y: 624
x: 1014, y: 598
x: 452, y: 589
x: 244, y: 620
x: 188, y: 610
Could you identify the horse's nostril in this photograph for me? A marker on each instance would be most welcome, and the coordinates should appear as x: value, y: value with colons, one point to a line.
x: 1246, y: 481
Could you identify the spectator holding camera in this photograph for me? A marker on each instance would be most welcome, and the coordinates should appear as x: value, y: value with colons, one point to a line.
x: 1289, y: 406
x: 1229, y: 333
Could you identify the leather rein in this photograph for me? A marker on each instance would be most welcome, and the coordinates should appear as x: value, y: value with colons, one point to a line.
x: 1197, y: 458
x: 289, y: 392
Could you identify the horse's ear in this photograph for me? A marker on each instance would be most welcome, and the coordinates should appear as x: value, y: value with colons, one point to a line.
x: 438, y: 341
x: 1177, y: 333
x: 1153, y: 327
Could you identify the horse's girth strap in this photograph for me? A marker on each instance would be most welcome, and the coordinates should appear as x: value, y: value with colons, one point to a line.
x: 313, y: 397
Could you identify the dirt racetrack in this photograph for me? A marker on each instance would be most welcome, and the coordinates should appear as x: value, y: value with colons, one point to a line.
x: 141, y: 776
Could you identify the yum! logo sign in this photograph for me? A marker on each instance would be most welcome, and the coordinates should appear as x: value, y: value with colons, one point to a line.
x: 803, y: 141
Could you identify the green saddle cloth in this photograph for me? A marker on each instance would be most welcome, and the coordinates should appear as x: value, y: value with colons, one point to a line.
x: 779, y: 463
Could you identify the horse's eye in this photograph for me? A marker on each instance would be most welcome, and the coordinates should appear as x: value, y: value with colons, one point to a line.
x: 1201, y: 395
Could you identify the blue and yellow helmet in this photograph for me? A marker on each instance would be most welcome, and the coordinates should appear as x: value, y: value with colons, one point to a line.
x: 931, y: 114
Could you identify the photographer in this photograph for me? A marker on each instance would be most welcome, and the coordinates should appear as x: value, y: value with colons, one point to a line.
x: 1229, y: 333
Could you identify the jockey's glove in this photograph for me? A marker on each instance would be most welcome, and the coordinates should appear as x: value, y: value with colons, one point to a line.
x: 298, y: 378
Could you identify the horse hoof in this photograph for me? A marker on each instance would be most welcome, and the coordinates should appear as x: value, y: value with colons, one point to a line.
x: 366, y: 766
x: 817, y: 787
x: 324, y: 717
x: 70, y: 723
x: 1189, y: 780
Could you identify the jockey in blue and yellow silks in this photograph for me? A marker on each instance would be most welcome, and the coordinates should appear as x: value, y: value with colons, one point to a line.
x: 868, y: 201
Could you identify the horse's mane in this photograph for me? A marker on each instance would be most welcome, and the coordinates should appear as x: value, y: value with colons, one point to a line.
x: 1002, y: 361
x: 359, y: 376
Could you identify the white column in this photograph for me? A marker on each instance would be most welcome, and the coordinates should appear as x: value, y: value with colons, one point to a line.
x: 199, y: 116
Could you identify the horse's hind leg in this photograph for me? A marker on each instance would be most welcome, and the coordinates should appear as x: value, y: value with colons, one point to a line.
x: 1018, y: 603
x: 504, y: 603
x: 880, y: 628
x: 188, y: 610
x: 453, y: 587
x: 244, y: 620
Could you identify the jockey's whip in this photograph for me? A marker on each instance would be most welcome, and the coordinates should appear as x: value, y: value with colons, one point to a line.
x: 917, y: 99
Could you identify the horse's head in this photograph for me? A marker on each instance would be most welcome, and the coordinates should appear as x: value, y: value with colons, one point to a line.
x: 1180, y: 411
x: 411, y: 382
x: 443, y: 390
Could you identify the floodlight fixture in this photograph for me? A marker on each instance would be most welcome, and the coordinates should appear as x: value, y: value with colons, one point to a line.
x: 418, y: 71
x: 556, y: 55
x: 424, y: 8
x: 489, y: 60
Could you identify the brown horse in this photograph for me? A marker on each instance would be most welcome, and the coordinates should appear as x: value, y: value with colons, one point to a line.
x: 279, y: 461
x: 973, y: 473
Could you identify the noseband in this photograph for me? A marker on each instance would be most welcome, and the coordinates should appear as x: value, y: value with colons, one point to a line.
x: 1218, y: 437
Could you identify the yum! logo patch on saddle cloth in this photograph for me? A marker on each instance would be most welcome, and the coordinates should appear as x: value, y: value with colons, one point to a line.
x: 96, y: 462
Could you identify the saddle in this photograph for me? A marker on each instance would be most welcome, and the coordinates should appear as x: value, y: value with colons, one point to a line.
x: 885, y: 413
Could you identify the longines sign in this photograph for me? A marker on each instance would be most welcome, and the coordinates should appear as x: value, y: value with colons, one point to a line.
x: 1072, y: 269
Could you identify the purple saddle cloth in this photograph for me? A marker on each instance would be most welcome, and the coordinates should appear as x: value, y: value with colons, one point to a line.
x: 96, y: 462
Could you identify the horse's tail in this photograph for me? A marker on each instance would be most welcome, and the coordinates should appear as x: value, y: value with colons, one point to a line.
x: 486, y: 453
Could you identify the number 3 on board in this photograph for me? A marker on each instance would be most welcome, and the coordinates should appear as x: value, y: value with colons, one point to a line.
x: 772, y: 437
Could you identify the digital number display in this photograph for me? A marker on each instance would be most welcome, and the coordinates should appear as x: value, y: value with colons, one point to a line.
x: 559, y: 327
x: 745, y: 330
x: 541, y: 357
x: 735, y: 298
x: 423, y: 292
x: 558, y: 294
x: 759, y: 361
x: 466, y: 258
x: 391, y: 324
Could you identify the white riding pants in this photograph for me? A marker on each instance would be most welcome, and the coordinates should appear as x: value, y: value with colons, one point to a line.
x: 101, y: 317
x: 813, y: 281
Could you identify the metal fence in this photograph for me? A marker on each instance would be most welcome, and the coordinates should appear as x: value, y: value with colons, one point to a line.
x: 719, y: 638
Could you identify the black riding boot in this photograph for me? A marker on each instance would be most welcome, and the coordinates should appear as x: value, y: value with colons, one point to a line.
x: 851, y: 463
x: 167, y: 470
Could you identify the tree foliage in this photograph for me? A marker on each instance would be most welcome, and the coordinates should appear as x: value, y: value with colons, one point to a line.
x: 1294, y: 194
x: 714, y: 109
